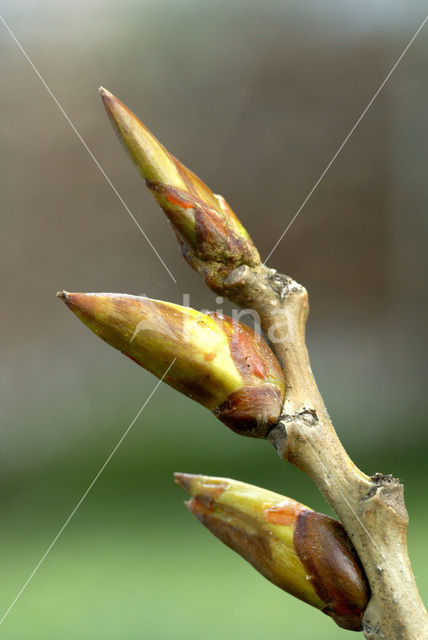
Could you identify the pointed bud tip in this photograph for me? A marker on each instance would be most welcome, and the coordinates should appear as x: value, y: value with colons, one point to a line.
x: 105, y: 93
x: 205, y: 488
x: 108, y: 98
x: 63, y: 295
x: 74, y: 301
x: 184, y: 480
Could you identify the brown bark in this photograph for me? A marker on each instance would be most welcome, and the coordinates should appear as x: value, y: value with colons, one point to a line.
x: 371, y: 509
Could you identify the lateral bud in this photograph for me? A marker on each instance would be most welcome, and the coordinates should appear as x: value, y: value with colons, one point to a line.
x: 212, y: 239
x: 305, y: 553
x: 222, y: 364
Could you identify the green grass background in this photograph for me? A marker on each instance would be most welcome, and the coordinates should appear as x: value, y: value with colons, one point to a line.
x: 133, y: 563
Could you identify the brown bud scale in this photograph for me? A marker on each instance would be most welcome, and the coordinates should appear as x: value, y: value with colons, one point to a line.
x: 333, y: 567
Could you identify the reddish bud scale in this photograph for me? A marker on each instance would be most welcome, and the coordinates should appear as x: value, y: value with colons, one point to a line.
x: 210, y: 240
x: 256, y: 406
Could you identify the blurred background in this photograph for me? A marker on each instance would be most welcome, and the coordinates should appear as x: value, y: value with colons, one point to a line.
x: 256, y: 98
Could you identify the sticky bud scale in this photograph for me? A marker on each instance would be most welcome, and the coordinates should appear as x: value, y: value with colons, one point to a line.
x: 222, y: 364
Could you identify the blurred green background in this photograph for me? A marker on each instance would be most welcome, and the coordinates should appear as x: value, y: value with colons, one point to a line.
x: 256, y: 98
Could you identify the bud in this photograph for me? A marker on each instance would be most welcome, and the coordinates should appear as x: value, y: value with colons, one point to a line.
x: 212, y: 239
x: 303, y: 552
x: 222, y: 364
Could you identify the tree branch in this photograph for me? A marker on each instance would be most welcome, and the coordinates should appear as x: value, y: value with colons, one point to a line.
x: 214, y: 243
x: 371, y: 509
